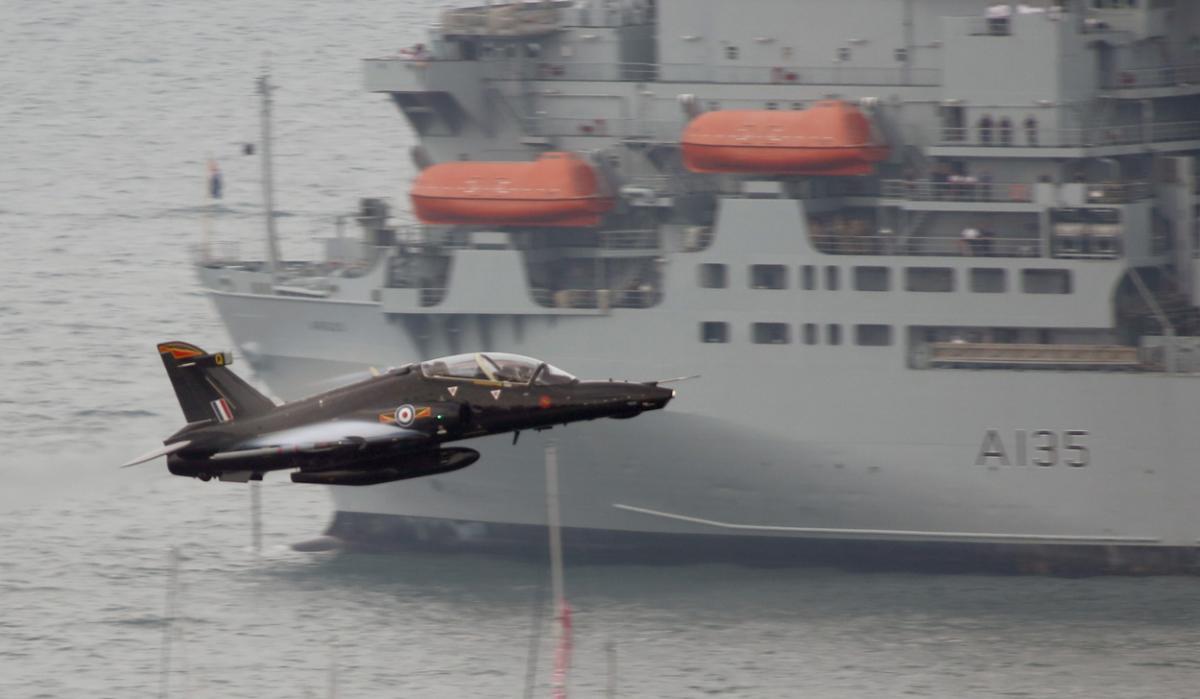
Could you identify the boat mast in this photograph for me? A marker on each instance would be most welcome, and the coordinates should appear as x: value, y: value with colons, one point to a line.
x: 264, y: 90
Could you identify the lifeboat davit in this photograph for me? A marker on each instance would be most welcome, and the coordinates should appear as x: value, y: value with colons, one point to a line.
x: 830, y: 138
x: 557, y: 189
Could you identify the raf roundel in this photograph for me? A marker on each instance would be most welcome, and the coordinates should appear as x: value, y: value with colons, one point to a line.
x: 405, y: 415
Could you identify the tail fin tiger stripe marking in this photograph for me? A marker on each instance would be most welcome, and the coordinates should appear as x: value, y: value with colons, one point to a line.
x: 179, y: 350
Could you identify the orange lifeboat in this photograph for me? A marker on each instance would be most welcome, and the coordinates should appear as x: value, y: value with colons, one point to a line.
x: 558, y: 189
x: 830, y: 138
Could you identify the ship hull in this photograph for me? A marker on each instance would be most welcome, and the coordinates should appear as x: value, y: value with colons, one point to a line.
x: 374, y: 532
x: 805, y: 455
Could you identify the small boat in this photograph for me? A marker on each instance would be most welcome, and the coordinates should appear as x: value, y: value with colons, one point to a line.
x: 830, y: 138
x: 556, y: 190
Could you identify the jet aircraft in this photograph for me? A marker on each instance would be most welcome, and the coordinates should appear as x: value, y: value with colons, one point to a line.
x: 389, y: 427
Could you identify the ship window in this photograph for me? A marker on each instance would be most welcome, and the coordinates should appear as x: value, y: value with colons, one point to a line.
x: 772, y: 106
x: 929, y: 279
x: 1006, y: 132
x: 1031, y: 130
x: 987, y: 280
x: 1046, y: 281
x: 808, y: 277
x: 833, y: 334
x: 985, y: 130
x: 714, y: 331
x: 954, y: 121
x: 871, y: 278
x: 811, y: 334
x: 768, y: 277
x: 731, y: 53
x: 901, y: 55
x: 843, y: 54
x: 831, y: 278
x: 713, y: 276
x: 873, y: 335
x: 798, y: 106
x: 769, y: 333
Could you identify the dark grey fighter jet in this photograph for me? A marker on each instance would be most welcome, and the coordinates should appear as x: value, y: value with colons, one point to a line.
x: 385, y: 428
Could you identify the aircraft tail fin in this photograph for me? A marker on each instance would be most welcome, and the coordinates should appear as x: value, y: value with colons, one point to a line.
x: 207, y: 390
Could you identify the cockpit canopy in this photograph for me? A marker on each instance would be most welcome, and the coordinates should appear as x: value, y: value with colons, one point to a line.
x: 496, y: 366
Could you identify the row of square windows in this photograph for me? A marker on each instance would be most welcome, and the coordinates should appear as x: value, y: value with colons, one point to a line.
x: 985, y: 280
x: 867, y: 335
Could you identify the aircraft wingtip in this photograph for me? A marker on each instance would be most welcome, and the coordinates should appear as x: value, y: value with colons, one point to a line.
x: 161, y: 451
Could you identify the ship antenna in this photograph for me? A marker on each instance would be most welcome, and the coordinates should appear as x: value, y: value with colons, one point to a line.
x: 265, y: 88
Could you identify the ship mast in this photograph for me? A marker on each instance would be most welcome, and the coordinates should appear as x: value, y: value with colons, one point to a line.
x: 264, y: 90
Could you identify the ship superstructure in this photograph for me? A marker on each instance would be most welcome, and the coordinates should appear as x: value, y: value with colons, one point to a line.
x: 935, y: 262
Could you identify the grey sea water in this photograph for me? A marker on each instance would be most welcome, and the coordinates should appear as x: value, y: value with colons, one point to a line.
x: 108, y: 112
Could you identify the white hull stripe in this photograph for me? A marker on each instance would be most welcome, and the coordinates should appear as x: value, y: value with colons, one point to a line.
x: 900, y: 533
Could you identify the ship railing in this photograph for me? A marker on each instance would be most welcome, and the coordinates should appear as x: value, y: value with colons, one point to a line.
x: 432, y: 296
x: 1019, y: 135
x: 571, y: 70
x: 705, y: 73
x: 634, y: 239
x: 974, y: 190
x: 511, y: 19
x: 1002, y: 354
x: 988, y: 26
x: 1155, y: 76
x: 797, y: 75
x: 926, y: 246
x: 1176, y: 131
x: 658, y: 183
x: 595, y: 298
x: 967, y: 190
x: 1119, y: 192
x: 655, y: 130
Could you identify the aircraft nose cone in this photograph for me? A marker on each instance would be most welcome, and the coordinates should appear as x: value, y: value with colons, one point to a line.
x: 656, y: 397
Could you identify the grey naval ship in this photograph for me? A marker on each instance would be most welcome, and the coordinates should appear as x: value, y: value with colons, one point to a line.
x: 934, y: 260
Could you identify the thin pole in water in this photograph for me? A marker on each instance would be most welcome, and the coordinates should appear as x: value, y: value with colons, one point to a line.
x: 333, y: 678
x: 256, y: 516
x: 170, y: 611
x: 535, y: 639
x: 554, y: 522
x: 562, y: 613
x: 610, y: 652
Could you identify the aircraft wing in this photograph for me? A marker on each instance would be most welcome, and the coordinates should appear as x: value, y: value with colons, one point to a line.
x: 320, y: 437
